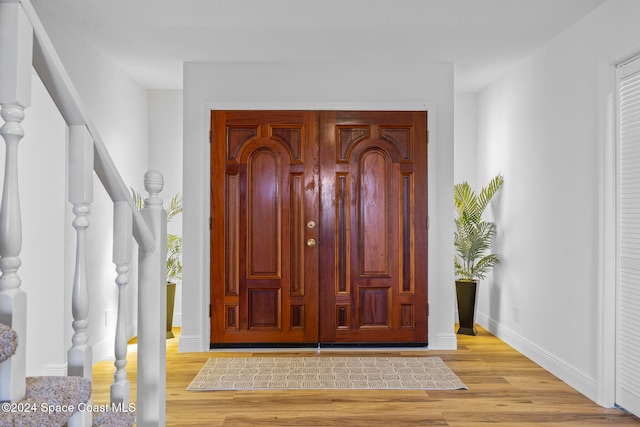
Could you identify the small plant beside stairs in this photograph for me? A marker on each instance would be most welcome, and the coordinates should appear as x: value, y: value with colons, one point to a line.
x: 472, y: 239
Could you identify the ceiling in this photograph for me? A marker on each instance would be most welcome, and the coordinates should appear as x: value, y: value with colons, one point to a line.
x: 151, y: 39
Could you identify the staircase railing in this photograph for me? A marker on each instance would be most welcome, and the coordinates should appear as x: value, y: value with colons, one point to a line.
x: 24, y: 43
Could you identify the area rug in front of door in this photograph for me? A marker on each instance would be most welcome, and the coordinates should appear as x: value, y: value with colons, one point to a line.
x: 316, y: 373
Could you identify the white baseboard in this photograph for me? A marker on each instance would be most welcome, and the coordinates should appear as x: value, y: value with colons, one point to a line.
x: 568, y: 373
x: 190, y: 344
x: 55, y: 370
x: 443, y: 342
x: 103, y: 351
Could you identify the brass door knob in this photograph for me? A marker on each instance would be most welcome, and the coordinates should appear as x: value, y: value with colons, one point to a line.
x: 312, y: 243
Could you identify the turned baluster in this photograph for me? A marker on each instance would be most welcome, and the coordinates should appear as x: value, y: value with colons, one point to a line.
x: 122, y: 240
x: 16, y: 44
x: 81, y: 196
x: 80, y: 355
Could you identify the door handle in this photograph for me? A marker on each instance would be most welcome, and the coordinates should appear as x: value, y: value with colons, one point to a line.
x: 312, y: 243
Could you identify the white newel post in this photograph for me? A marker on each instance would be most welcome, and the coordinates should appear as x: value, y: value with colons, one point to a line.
x: 16, y: 45
x: 152, y: 303
x: 122, y: 240
x: 81, y: 196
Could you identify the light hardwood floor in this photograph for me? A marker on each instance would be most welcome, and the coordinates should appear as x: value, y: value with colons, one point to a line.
x: 505, y: 389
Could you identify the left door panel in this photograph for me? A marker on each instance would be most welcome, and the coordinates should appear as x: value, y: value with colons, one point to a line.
x: 264, y: 192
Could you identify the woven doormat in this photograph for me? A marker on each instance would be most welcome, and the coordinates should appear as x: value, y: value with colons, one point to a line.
x: 315, y: 373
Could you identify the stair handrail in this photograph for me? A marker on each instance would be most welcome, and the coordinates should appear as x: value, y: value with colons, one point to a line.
x: 53, y: 74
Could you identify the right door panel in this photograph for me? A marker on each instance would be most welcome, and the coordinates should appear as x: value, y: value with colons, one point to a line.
x: 373, y: 230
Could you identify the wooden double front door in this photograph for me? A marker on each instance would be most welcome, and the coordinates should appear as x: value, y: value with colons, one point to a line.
x: 319, y: 227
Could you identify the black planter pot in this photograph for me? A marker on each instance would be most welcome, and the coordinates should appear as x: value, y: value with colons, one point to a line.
x: 466, y: 293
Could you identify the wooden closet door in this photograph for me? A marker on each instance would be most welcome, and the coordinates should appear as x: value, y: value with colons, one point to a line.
x: 373, y: 251
x: 264, y: 192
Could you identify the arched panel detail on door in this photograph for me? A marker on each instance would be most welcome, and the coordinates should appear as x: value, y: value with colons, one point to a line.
x: 264, y: 170
x: 292, y: 138
x: 374, y: 213
x: 347, y: 138
x: 236, y: 137
x: 402, y: 137
x: 278, y: 145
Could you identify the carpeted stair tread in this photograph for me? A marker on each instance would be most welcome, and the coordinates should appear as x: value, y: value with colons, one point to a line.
x: 49, y: 401
x: 113, y: 419
x: 8, y: 342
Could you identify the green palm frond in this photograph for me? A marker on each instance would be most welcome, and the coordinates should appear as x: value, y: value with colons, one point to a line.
x: 485, y: 264
x: 465, y: 200
x: 473, y: 236
x: 174, y: 257
x: 138, y: 201
x: 487, y: 193
x: 174, y: 207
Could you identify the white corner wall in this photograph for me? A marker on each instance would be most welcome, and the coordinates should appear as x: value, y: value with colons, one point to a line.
x: 542, y: 125
x: 374, y: 86
x: 465, y: 126
x: 165, y: 155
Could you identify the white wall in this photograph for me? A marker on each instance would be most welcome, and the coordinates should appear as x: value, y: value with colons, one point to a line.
x: 165, y: 155
x: 465, y: 128
x: 118, y: 107
x: 41, y: 177
x: 383, y: 85
x: 542, y: 126
x: 465, y: 146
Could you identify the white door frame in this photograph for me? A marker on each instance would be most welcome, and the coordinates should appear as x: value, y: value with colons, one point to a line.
x: 606, y: 342
x: 608, y: 240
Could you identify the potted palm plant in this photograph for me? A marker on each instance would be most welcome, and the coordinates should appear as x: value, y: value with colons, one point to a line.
x: 472, y: 240
x: 174, y: 254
